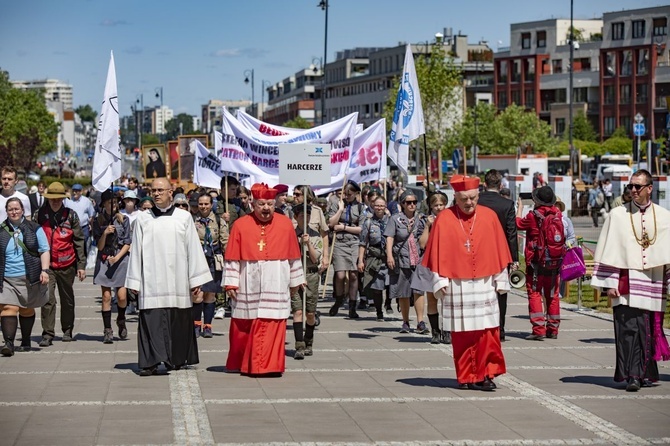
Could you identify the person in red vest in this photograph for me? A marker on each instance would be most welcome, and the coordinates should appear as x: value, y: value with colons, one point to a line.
x: 263, y: 268
x: 468, y: 254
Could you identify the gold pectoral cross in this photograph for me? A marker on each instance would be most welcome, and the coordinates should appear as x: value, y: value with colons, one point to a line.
x: 261, y: 245
x: 645, y: 240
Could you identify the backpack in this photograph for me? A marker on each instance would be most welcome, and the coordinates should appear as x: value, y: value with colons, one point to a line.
x: 549, y: 247
x: 600, y: 198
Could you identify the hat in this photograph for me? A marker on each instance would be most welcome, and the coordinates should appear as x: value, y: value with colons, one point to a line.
x: 179, y: 199
x: 130, y: 194
x: 193, y: 199
x: 544, y: 196
x: 461, y: 183
x: 77, y: 187
x: 405, y: 195
x: 106, y: 195
x: 354, y: 185
x: 559, y: 204
x: 281, y: 189
x: 55, y: 190
x: 147, y: 198
x: 261, y: 191
x: 298, y: 208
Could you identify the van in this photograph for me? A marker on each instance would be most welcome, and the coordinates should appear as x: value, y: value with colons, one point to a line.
x: 612, y: 170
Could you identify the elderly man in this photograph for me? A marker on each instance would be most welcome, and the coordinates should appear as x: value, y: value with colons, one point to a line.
x: 632, y: 261
x: 85, y: 211
x: 167, y: 267
x: 262, y: 270
x: 468, y: 254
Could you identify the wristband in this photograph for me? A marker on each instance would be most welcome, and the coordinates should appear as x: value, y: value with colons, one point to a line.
x: 45, y: 271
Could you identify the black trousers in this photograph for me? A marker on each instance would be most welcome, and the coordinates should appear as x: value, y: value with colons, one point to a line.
x: 634, y: 337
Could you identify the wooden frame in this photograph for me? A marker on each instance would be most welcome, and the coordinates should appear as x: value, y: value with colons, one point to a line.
x: 186, y: 157
x: 153, y: 166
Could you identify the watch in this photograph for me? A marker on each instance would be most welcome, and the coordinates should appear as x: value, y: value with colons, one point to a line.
x: 46, y: 270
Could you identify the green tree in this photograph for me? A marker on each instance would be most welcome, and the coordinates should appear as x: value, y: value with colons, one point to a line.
x: 150, y: 138
x: 582, y: 128
x: 578, y: 34
x: 86, y: 113
x: 298, y: 123
x: 27, y: 129
x: 172, y: 126
x: 620, y: 132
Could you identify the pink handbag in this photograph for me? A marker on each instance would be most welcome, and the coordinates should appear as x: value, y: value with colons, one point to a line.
x: 573, y: 266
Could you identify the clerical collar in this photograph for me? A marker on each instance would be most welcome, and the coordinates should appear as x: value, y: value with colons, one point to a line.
x: 159, y: 212
x: 642, y: 208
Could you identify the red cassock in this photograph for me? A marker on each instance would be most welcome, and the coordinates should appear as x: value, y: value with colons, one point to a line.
x: 257, y: 344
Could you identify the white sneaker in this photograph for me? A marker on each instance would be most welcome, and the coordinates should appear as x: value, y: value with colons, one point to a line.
x: 220, y: 313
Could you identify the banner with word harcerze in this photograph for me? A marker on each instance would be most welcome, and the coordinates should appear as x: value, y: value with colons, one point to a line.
x: 250, y: 152
x: 368, y: 160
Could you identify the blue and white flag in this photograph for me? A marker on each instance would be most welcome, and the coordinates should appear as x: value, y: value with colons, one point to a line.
x: 107, y: 155
x: 408, y: 115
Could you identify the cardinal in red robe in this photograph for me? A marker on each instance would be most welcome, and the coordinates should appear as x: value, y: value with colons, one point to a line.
x: 262, y: 269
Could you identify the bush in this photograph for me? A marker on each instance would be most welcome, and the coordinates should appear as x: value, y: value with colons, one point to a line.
x: 67, y: 182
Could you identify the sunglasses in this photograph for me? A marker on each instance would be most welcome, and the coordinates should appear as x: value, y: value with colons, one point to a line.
x: 182, y: 205
x: 631, y: 186
x: 410, y: 201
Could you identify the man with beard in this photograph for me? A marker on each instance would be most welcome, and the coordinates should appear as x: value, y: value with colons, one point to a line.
x: 167, y: 266
x: 262, y: 270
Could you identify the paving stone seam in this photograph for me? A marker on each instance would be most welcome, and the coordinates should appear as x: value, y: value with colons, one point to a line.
x: 190, y: 422
x: 518, y: 442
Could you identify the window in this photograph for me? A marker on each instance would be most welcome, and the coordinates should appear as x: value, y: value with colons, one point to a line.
x: 525, y: 41
x: 625, y: 122
x: 638, y: 29
x: 561, y: 96
x: 516, y: 71
x: 502, y: 99
x: 541, y: 39
x: 627, y: 63
x: 529, y: 65
x: 643, y: 62
x: 579, y: 94
x: 641, y: 93
x: 624, y: 94
x: 502, y: 73
x: 560, y: 126
x: 557, y: 66
x: 516, y: 97
x: 529, y: 98
x: 610, y: 125
x: 617, y: 31
x: 610, y: 64
x: 660, y: 26
x: 583, y: 64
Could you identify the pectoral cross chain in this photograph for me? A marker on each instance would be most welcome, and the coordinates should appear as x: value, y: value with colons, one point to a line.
x: 467, y: 244
x: 261, y: 245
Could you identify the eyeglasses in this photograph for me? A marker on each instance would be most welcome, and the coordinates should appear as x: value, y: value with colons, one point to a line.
x: 408, y: 202
x: 297, y: 194
x: 182, y: 205
x: 631, y: 186
x: 157, y: 191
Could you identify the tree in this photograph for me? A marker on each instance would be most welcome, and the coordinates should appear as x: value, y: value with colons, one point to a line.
x: 27, y: 129
x: 150, y: 138
x: 298, y: 123
x: 582, y: 128
x: 172, y: 126
x: 619, y: 132
x: 578, y: 34
x: 86, y: 113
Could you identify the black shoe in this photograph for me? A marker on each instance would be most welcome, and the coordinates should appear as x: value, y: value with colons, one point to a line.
x: 67, y: 336
x: 108, y: 336
x: 336, y: 306
x: 487, y: 385
x: 362, y: 305
x: 380, y: 317
x: 7, y: 349
x: 446, y: 337
x: 123, y: 331
x: 551, y: 336
x: 207, y: 332
x: 46, y: 341
x: 534, y: 337
x: 634, y: 385
x: 435, y: 339
x: 352, y: 313
x: 149, y: 371
x: 22, y: 348
x: 502, y: 335
x: 388, y: 309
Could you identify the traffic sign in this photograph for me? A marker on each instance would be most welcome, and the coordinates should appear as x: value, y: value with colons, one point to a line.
x: 638, y: 129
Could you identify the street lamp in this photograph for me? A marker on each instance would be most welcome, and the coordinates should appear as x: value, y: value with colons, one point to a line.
x: 159, y: 94
x: 323, y: 4
x: 264, y: 85
x: 317, y: 66
x: 250, y: 74
x: 140, y: 100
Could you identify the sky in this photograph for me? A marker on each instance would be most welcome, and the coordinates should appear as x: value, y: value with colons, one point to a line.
x: 200, y: 50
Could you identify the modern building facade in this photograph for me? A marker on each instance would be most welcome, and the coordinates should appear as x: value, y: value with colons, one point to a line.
x: 54, y: 90
x: 211, y: 112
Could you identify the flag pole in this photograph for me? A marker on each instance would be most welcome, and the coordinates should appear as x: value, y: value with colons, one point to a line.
x: 305, y: 230
x: 332, y: 246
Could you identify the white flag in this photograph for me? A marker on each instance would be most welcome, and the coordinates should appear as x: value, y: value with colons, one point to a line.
x: 107, y: 157
x: 408, y: 115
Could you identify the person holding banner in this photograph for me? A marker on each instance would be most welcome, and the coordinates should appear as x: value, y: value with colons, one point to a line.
x: 262, y: 270
x: 317, y: 220
x: 229, y: 207
x: 346, y: 220
x: 372, y: 255
x: 468, y: 254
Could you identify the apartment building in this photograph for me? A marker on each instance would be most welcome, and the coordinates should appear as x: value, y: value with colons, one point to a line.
x: 54, y: 90
x: 210, y: 119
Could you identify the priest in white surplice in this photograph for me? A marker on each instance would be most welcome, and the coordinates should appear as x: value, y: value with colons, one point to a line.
x: 263, y: 269
x: 632, y: 261
x: 167, y: 266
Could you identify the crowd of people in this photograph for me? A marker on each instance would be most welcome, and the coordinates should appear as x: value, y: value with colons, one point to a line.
x: 175, y: 255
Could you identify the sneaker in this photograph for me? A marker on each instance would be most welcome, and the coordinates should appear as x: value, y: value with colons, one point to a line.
x: 435, y: 339
x: 108, y: 336
x: 308, y: 347
x: 46, y: 341
x: 446, y: 337
x: 362, y: 304
x: 421, y: 328
x: 207, y: 331
x: 299, y: 350
x: 198, y: 331
x: 123, y: 331
x: 22, y: 348
x: 220, y: 313
x: 405, y: 327
x: 67, y: 336
x: 534, y: 337
x: 7, y: 349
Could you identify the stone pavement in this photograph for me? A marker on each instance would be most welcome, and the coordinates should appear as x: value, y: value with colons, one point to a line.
x: 365, y: 384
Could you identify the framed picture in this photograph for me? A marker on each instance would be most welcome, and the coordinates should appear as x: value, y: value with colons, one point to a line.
x: 186, y: 156
x: 153, y: 157
x: 173, y: 152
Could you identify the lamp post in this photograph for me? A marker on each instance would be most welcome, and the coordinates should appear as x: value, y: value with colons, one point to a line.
x: 159, y: 94
x: 317, y: 66
x: 140, y: 100
x: 264, y: 85
x: 249, y: 74
x: 323, y: 4
x: 570, y: 93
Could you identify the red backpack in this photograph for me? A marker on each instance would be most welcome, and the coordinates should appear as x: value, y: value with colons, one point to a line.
x: 549, y: 247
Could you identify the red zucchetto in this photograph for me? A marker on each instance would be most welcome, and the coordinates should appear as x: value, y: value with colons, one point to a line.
x: 261, y: 191
x: 461, y: 183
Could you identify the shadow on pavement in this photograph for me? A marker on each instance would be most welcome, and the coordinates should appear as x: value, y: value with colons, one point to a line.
x: 429, y: 382
x: 598, y: 341
x: 602, y: 381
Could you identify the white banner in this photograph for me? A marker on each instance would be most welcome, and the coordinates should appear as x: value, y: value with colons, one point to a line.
x: 250, y: 152
x: 408, y: 115
x: 107, y: 154
x: 368, y: 162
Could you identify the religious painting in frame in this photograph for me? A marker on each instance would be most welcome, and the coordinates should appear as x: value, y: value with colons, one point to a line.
x: 173, y: 153
x: 153, y: 159
x: 187, y: 157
